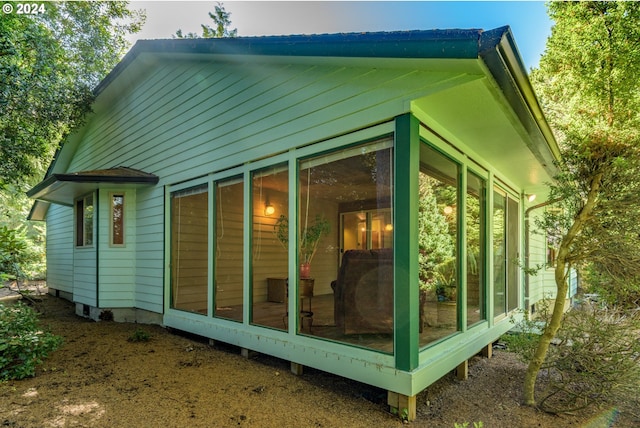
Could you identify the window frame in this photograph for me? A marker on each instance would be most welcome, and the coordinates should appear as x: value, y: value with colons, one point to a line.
x: 80, y: 224
x: 112, y: 196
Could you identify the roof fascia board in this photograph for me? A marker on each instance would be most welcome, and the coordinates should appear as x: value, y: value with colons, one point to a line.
x: 500, y: 54
x: 435, y: 44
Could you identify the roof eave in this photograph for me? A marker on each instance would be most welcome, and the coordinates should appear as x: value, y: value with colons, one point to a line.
x: 500, y: 54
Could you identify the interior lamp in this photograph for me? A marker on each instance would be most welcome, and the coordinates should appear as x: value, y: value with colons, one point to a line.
x: 269, y: 209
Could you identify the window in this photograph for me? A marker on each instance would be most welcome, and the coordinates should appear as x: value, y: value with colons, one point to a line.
x: 475, y: 217
x: 189, y: 249
x: 438, y: 242
x: 84, y: 221
x: 229, y: 250
x: 270, y: 256
x: 347, y: 291
x: 117, y: 219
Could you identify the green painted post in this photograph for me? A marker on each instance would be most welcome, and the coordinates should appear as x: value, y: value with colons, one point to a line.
x: 407, y: 164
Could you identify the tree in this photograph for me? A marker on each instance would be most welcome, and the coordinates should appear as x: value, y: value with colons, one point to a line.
x: 49, y: 64
x: 435, y: 243
x: 587, y: 84
x: 222, y: 20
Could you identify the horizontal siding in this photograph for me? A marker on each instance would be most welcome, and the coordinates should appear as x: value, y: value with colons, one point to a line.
x: 149, y: 276
x: 60, y: 248
x: 84, y: 276
x: 245, y: 111
x: 117, y: 263
x: 213, y: 115
x: 542, y: 284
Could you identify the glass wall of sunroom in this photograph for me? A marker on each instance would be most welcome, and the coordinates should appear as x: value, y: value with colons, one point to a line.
x: 233, y: 247
x: 331, y: 242
x: 451, y: 245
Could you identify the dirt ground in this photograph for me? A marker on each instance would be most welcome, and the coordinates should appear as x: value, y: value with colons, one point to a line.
x: 100, y: 379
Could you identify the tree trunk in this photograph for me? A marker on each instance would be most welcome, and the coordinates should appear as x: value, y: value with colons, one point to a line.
x: 561, y: 272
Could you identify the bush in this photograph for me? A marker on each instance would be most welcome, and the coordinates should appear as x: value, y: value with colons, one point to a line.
x: 23, y: 344
x: 594, y: 359
x: 139, y: 336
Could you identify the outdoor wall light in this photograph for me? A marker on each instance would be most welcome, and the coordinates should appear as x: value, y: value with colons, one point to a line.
x: 531, y: 197
x: 269, y: 209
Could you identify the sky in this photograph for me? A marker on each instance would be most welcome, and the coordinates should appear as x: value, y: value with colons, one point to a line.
x: 528, y: 19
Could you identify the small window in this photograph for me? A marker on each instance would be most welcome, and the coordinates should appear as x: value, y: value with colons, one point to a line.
x: 117, y: 219
x: 84, y: 221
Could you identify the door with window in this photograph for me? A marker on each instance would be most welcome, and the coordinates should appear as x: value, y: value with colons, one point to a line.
x: 506, y: 240
x: 366, y: 230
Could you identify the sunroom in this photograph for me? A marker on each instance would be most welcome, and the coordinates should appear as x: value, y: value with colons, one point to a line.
x: 390, y: 254
x: 353, y: 203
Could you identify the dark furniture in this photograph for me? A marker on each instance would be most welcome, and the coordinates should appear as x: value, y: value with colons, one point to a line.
x: 305, y: 291
x: 363, y: 292
x: 276, y: 289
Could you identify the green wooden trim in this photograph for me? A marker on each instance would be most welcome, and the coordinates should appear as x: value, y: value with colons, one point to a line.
x: 490, y: 253
x: 406, y: 295
x: 462, y: 248
x: 247, y: 259
x: 211, y: 248
x: 294, y: 174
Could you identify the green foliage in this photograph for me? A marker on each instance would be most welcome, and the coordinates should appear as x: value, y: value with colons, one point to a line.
x: 309, y: 238
x: 621, y: 292
x: 139, y: 335
x: 595, y: 359
x: 587, y: 86
x: 222, y: 21
x: 435, y: 243
x: 14, y: 208
x: 23, y: 343
x: 49, y: 64
x: 14, y: 254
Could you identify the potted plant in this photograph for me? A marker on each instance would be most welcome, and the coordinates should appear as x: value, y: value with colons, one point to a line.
x: 309, y: 239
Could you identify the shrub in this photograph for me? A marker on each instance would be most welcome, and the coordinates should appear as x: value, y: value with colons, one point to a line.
x: 594, y: 360
x: 23, y: 343
x: 139, y: 336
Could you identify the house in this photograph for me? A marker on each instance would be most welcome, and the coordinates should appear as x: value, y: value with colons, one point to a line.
x: 398, y: 164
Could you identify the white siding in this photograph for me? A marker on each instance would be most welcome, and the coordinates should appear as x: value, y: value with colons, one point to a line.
x: 84, y: 276
x: 149, y: 249
x: 117, y: 263
x: 60, y: 248
x: 543, y: 285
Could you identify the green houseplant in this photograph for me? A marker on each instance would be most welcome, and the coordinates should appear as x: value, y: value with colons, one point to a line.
x: 309, y: 239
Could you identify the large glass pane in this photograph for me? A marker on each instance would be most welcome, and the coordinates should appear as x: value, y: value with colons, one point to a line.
x: 499, y: 252
x: 346, y: 236
x: 437, y: 244
x: 229, y: 249
x: 189, y: 250
x: 270, y: 188
x: 475, y: 217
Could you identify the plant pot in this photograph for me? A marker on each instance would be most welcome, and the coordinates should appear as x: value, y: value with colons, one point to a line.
x: 305, y: 270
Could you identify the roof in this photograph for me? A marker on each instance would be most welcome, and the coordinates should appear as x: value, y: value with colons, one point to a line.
x: 63, y: 188
x: 432, y: 44
x: 495, y: 51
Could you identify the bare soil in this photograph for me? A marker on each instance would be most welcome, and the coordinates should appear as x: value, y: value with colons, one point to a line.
x: 98, y: 378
